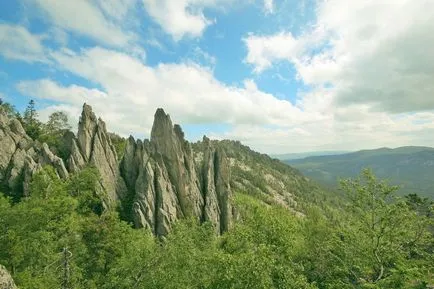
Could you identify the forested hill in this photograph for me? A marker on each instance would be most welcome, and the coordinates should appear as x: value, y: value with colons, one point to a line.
x: 95, y: 210
x: 410, y: 167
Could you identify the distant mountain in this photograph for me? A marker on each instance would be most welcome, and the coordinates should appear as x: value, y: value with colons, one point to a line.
x: 296, y: 156
x: 411, y: 167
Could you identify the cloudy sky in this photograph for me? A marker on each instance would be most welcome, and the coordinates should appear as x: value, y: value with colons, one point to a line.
x: 281, y: 76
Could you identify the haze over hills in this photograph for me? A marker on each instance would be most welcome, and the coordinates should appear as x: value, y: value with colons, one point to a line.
x: 411, y: 167
x: 296, y: 156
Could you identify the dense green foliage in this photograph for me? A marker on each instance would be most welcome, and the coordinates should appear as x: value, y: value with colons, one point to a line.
x: 61, y: 236
x: 409, y: 167
x: 119, y: 144
x: 53, y: 133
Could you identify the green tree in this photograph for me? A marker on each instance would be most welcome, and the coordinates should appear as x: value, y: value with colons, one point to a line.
x: 31, y: 124
x: 84, y: 185
x: 58, y: 122
x: 53, y: 133
x: 34, y: 231
x: 381, y: 235
x: 8, y: 109
x: 119, y: 143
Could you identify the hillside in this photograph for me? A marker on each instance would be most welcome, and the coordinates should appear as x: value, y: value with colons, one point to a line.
x: 296, y: 156
x: 95, y: 210
x: 152, y: 182
x: 410, y: 167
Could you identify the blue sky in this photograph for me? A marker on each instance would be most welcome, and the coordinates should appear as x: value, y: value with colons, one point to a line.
x: 281, y: 76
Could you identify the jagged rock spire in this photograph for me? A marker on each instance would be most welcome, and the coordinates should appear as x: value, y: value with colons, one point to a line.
x: 168, y: 184
x: 93, y: 146
x: 157, y: 181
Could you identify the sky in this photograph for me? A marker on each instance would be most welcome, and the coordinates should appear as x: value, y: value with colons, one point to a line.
x: 282, y: 76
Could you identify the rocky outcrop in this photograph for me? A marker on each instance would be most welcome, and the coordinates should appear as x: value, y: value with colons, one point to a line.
x: 215, y: 180
x: 157, y: 181
x: 93, y: 147
x: 154, y: 202
x: 167, y: 183
x: 176, y: 155
x: 6, y: 281
x: 21, y: 157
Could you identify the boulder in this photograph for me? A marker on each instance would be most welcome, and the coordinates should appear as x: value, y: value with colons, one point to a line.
x: 6, y: 281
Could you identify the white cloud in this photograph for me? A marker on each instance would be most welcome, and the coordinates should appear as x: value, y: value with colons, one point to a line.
x: 366, y: 131
x: 179, y: 18
x: 117, y: 9
x: 364, y: 77
x: 86, y: 18
x: 132, y: 91
x: 263, y: 51
x: 386, y: 63
x: 268, y: 6
x: 199, y: 55
x: 17, y: 43
x: 185, y: 18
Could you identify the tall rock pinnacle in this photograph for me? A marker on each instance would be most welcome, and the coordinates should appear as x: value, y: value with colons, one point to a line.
x: 93, y: 146
x: 168, y: 184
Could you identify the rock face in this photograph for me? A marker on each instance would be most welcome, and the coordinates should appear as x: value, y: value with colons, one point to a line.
x: 6, y: 281
x: 168, y: 185
x: 157, y: 182
x: 21, y: 157
x: 215, y: 184
x: 93, y: 147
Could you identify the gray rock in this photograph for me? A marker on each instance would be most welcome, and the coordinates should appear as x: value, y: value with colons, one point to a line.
x: 157, y: 182
x: 94, y: 147
x: 76, y: 160
x: 215, y: 177
x: 167, y: 184
x: 21, y: 157
x: 48, y: 158
x: 6, y: 281
x: 168, y: 141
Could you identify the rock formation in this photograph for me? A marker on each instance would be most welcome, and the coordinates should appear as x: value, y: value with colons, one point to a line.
x: 166, y: 183
x: 93, y: 147
x: 157, y: 181
x: 21, y: 157
x: 215, y: 184
x: 6, y: 281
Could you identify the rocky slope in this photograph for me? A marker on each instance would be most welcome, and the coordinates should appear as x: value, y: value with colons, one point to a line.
x: 156, y: 181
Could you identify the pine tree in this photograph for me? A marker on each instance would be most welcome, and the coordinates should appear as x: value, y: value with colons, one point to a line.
x: 31, y: 124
